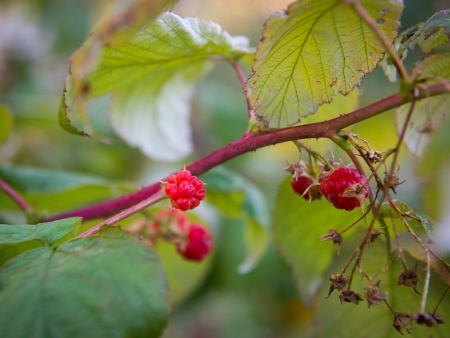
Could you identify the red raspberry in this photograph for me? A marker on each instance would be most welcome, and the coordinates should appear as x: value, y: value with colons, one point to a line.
x: 300, y: 185
x: 198, y: 245
x: 184, y: 190
x: 339, y: 180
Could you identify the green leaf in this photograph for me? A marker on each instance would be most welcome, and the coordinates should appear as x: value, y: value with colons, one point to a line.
x: 63, y: 118
x: 85, y: 288
x: 297, y: 227
x: 237, y: 197
x: 123, y: 19
x: 152, y: 79
x: 433, y: 170
x: 183, y: 276
x: 314, y: 51
x: 6, y: 123
x: 349, y: 320
x: 48, y: 189
x: 15, y: 239
x: 429, y: 113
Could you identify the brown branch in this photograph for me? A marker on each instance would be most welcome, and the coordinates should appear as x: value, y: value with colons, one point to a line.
x: 252, y: 143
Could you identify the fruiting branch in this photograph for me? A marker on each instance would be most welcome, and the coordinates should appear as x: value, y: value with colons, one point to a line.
x: 252, y: 143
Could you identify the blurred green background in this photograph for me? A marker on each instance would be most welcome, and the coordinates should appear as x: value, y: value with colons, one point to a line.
x: 37, y: 38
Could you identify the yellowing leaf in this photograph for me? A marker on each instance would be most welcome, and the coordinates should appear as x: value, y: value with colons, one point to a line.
x: 314, y: 51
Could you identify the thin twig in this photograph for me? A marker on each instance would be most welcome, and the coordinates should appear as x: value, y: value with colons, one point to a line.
x: 401, y: 138
x: 14, y: 195
x: 426, y: 284
x: 384, y: 40
x: 124, y: 214
x: 242, y: 79
x: 440, y: 300
x: 399, y: 245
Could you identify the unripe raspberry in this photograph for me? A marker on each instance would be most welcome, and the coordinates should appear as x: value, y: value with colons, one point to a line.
x: 300, y: 185
x: 184, y: 190
x: 334, y: 186
x: 197, y: 245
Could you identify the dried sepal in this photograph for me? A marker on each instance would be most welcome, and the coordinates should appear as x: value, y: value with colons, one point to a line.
x: 314, y: 192
x: 374, y: 295
x: 338, y: 281
x: 374, y: 156
x: 350, y: 297
x: 356, y: 191
x: 374, y: 233
x: 401, y: 321
x: 428, y: 319
x: 295, y: 168
x: 392, y: 181
x: 334, y: 236
x: 409, y: 278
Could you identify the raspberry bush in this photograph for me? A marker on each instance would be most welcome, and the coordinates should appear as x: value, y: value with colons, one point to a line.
x: 139, y: 259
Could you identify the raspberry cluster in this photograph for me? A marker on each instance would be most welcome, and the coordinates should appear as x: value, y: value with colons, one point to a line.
x: 197, y: 243
x: 336, y: 188
x: 184, y: 190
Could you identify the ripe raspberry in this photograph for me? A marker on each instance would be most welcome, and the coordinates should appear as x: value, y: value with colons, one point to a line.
x: 337, y: 182
x: 300, y: 185
x: 184, y: 190
x: 198, y: 245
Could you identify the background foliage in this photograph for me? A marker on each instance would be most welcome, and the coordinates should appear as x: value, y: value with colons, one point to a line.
x: 215, y: 300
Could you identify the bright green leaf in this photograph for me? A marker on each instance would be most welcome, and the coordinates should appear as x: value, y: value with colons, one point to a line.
x: 6, y: 123
x: 237, y: 197
x: 15, y: 239
x: 152, y: 79
x: 314, y: 51
x: 297, y: 227
x: 85, y: 288
x: 349, y: 320
x: 428, y: 113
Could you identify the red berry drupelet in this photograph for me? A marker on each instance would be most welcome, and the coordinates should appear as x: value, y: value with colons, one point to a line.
x: 197, y: 245
x: 300, y: 184
x: 340, y: 180
x: 184, y: 190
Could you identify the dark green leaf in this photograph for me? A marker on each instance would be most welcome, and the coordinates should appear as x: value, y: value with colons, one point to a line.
x: 297, y: 227
x: 106, y: 286
x: 48, y: 189
x: 15, y: 239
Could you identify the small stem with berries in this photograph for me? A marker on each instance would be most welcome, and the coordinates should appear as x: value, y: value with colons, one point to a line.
x: 124, y: 214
